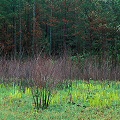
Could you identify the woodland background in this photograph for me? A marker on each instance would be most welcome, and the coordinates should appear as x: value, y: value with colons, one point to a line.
x: 29, y: 27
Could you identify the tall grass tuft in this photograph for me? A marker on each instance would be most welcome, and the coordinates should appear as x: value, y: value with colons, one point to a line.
x: 41, y: 97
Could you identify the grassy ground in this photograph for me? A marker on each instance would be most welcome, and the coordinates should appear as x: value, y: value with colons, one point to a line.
x: 79, y: 101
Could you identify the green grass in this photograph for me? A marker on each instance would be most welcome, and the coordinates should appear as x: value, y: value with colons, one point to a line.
x: 79, y: 101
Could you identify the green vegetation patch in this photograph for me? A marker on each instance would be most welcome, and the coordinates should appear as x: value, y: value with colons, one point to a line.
x: 78, y: 100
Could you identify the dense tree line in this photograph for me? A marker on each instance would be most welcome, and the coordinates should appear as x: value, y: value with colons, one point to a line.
x: 29, y: 27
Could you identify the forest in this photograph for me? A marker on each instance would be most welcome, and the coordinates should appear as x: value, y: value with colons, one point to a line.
x: 60, y: 59
x: 29, y: 27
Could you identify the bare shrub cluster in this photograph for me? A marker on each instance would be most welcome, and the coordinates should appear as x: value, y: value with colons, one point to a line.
x: 46, y: 71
